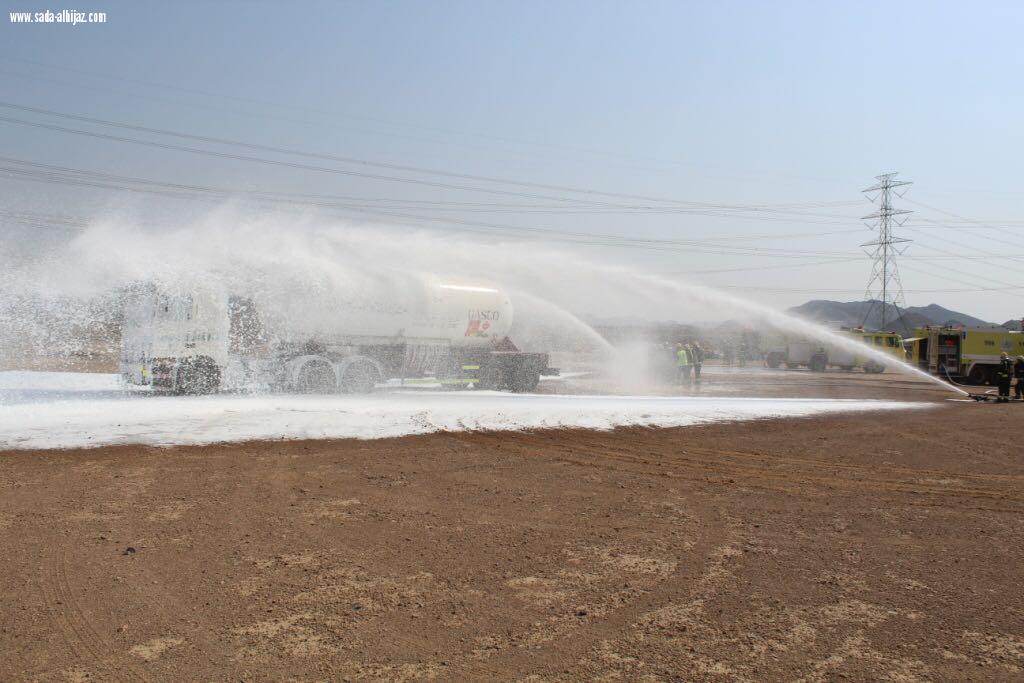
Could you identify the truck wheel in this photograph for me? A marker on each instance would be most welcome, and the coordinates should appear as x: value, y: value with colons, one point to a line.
x: 493, y: 379
x: 197, y: 375
x: 316, y: 377
x: 874, y: 368
x: 818, y: 363
x: 773, y: 359
x: 979, y: 374
x: 525, y: 380
x: 359, y: 378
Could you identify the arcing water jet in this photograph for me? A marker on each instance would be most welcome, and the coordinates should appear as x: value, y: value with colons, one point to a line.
x: 282, y: 265
x: 779, y: 319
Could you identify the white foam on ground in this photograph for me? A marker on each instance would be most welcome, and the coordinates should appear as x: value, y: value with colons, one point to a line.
x: 57, y: 381
x: 62, y: 410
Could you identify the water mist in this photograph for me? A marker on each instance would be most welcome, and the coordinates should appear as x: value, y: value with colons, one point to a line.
x: 281, y: 263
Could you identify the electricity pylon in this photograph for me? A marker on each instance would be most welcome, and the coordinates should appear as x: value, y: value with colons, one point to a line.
x: 884, y: 285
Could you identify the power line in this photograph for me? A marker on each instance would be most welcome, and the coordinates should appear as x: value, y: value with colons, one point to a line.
x: 332, y: 115
x: 63, y: 175
x: 1015, y: 290
x: 959, y: 226
x: 568, y: 237
x: 362, y: 162
x: 273, y: 162
x: 989, y: 257
x: 974, y: 223
x: 296, y: 165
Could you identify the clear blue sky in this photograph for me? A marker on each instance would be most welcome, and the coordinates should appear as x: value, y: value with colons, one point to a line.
x: 719, y: 102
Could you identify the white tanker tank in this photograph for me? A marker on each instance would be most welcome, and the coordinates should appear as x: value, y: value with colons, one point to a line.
x: 203, y: 340
x: 460, y: 314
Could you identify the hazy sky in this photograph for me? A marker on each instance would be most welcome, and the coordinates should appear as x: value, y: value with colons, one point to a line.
x: 733, y: 104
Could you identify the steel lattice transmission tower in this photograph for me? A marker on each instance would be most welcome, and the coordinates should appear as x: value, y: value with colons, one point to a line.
x: 884, y: 286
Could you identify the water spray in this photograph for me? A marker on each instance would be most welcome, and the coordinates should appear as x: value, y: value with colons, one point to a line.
x: 818, y: 332
x: 255, y: 255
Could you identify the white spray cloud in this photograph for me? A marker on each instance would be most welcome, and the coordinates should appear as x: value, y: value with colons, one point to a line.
x: 286, y: 262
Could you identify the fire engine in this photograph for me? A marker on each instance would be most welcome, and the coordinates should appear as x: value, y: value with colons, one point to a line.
x: 795, y: 351
x: 964, y: 354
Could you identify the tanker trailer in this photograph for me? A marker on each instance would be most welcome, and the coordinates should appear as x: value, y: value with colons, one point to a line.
x: 204, y: 339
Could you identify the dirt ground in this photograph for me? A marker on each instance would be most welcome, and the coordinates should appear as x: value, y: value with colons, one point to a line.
x: 861, y: 547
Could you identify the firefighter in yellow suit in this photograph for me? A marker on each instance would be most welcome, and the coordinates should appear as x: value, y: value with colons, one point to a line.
x: 683, y: 363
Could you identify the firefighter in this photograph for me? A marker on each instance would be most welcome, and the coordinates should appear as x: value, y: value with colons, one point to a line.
x: 728, y: 354
x: 698, y: 360
x: 1018, y: 372
x: 1004, y: 374
x: 683, y: 363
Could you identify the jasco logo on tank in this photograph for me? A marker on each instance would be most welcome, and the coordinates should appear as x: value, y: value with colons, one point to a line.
x: 484, y: 315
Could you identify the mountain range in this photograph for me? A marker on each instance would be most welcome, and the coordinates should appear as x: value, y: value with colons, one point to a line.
x: 869, y: 314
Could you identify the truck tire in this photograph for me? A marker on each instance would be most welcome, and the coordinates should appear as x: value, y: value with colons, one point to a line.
x: 874, y: 368
x: 773, y: 359
x: 524, y: 380
x: 979, y: 374
x: 818, y: 362
x: 316, y: 377
x: 359, y: 377
x: 493, y: 379
x: 196, y: 376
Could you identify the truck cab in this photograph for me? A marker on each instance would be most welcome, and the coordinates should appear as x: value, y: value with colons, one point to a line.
x: 174, y: 341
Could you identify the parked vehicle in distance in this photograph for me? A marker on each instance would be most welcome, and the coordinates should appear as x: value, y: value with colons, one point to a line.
x: 795, y: 351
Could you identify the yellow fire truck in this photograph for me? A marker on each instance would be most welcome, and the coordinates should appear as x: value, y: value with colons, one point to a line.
x: 965, y: 354
x: 797, y: 351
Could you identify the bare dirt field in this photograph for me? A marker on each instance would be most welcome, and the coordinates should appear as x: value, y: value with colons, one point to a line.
x: 862, y: 547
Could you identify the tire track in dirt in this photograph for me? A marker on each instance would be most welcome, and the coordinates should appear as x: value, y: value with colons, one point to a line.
x: 74, y: 626
x: 574, y: 643
x: 70, y: 619
x: 798, y: 482
x: 791, y: 475
x: 162, y: 606
x: 801, y: 472
x: 498, y: 541
x: 563, y: 638
x: 568, y: 644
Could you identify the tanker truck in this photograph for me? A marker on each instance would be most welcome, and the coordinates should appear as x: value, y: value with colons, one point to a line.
x: 201, y: 340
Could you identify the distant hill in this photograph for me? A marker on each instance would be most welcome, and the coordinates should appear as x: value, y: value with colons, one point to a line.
x: 869, y: 314
x: 944, y: 316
